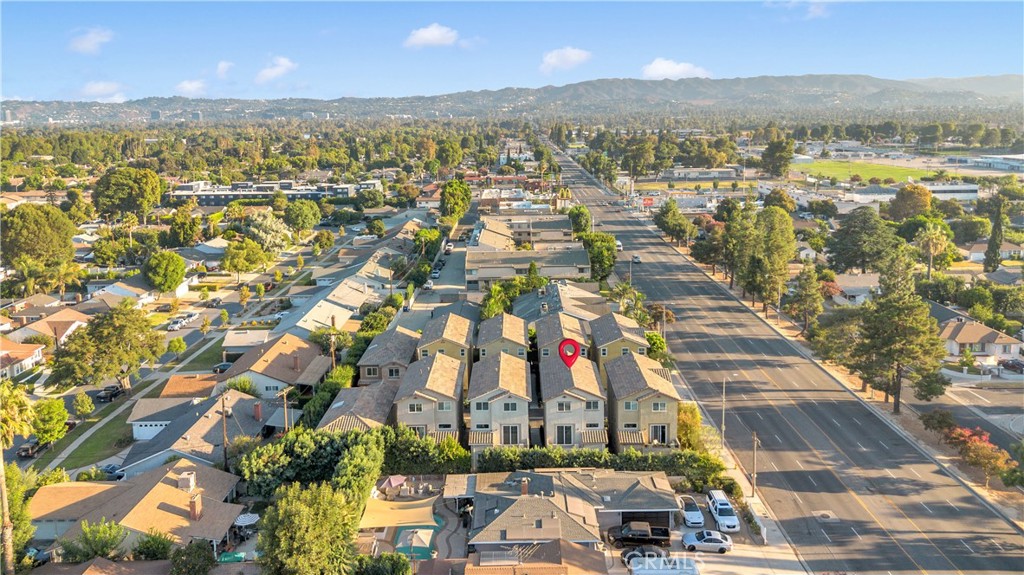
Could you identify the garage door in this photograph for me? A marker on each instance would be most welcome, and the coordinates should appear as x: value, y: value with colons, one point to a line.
x: 655, y: 518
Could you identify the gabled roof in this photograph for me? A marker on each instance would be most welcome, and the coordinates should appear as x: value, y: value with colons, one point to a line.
x: 63, y: 320
x: 396, y: 345
x: 37, y: 300
x: 449, y: 327
x: 438, y: 373
x: 622, y: 490
x: 360, y: 408
x: 967, y: 332
x: 503, y: 325
x: 556, y: 378
x: 287, y: 359
x: 12, y: 352
x: 552, y: 329
x: 160, y: 409
x: 556, y: 557
x: 190, y: 385
x: 315, y: 314
x: 531, y: 519
x: 632, y: 374
x: 500, y: 371
x: 613, y: 327
x: 101, y: 566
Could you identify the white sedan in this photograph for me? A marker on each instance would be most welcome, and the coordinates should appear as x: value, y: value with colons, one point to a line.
x: 692, y: 515
x: 711, y: 541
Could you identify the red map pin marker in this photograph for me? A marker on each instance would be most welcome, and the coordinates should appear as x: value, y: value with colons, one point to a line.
x: 569, y: 350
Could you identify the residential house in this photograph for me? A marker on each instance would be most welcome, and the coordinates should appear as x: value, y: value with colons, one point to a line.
x: 38, y: 300
x: 388, y: 356
x: 429, y: 198
x: 102, y: 566
x: 623, y: 496
x: 97, y: 304
x: 429, y: 401
x: 361, y: 408
x: 150, y: 415
x: 450, y: 335
x: 976, y: 251
x: 135, y: 287
x: 503, y: 333
x: 282, y: 362
x: 238, y: 341
x: 616, y: 335
x: 555, y: 557
x: 578, y: 299
x: 574, y: 404
x: 483, y: 268
x: 1005, y: 276
x: 536, y: 229
x: 643, y: 404
x: 6, y: 325
x: 197, y: 435
x: 17, y: 358
x: 58, y: 325
x: 184, y: 500
x: 987, y: 345
x: 191, y: 385
x: 314, y: 315
x: 557, y: 327
x: 855, y: 289
x: 208, y: 254
x: 500, y: 392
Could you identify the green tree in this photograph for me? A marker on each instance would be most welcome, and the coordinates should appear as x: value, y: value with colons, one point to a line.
x: 128, y: 190
x: 861, y: 241
x: 196, y: 558
x: 775, y: 228
x: 100, y: 539
x: 51, y: 417
x: 455, y: 199
x: 384, y: 564
x: 370, y: 198
x: 83, y: 406
x: 779, y: 198
x: 602, y: 252
x: 206, y: 325
x: 739, y: 241
x: 307, y: 532
x: 302, y: 215
x: 177, y: 346
x: 243, y: 296
x: 777, y: 156
x: 185, y: 230
x: 16, y: 416
x: 152, y: 546
x: 376, y: 227
x: 244, y: 385
x: 269, y: 231
x: 62, y: 274
x: 165, y: 270
x: 911, y: 200
x: 494, y: 303
x: 261, y: 291
x: 968, y: 229
x: 932, y: 241
x: 807, y: 301
x: 449, y: 154
x: 711, y: 250
x: 579, y: 217
x: 324, y: 240
x: 18, y: 489
x: 37, y: 233
x: 824, y: 208
x: 989, y: 458
x: 689, y: 432
x: 993, y: 253
x: 243, y: 257
x: 224, y: 317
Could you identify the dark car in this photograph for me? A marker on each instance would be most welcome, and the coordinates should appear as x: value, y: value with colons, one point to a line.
x: 30, y: 448
x: 110, y: 393
x: 222, y: 367
x: 163, y: 308
x: 215, y: 302
x: 70, y: 424
x: 644, y: 551
x: 1012, y: 365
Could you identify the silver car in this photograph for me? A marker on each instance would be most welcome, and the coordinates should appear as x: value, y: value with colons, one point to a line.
x: 692, y: 515
x: 710, y: 541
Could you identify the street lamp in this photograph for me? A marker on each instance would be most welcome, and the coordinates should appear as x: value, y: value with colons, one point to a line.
x: 753, y: 476
x: 724, y: 379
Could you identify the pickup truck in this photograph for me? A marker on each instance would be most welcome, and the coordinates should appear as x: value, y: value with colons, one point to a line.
x: 637, y: 533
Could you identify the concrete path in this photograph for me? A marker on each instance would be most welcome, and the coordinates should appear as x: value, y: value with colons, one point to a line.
x: 450, y: 540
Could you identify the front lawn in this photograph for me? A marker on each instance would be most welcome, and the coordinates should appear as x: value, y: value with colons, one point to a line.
x: 204, y: 360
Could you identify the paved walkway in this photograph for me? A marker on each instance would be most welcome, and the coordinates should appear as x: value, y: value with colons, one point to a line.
x: 450, y: 540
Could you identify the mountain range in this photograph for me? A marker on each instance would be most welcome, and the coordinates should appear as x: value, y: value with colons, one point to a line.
x: 824, y: 94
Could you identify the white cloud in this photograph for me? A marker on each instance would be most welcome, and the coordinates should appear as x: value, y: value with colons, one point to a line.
x: 433, y: 35
x: 278, y: 67
x: 91, y: 41
x: 663, y: 68
x: 191, y: 88
x: 812, y: 9
x: 563, y: 59
x: 107, y: 92
x: 223, y: 67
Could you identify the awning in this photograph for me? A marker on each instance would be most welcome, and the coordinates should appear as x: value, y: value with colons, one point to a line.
x: 276, y: 419
x: 380, y: 513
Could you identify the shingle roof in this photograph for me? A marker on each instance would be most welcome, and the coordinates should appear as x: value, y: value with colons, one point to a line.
x: 450, y: 327
x: 556, y: 557
x: 504, y: 326
x: 631, y: 374
x: 63, y: 320
x: 519, y: 523
x: 397, y: 345
x: 556, y: 378
x: 360, y: 408
x: 613, y: 327
x: 552, y: 329
x: 501, y: 371
x: 190, y: 385
x: 616, y: 490
x: 521, y: 259
x: 974, y: 332
x: 101, y: 566
x: 277, y: 360
x: 159, y: 409
x: 438, y: 373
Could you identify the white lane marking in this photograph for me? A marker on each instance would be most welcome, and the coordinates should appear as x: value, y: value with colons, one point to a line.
x: 914, y: 471
x: 827, y: 537
x: 967, y: 546
x: 981, y: 398
x: 812, y: 480
x: 800, y: 464
x: 883, y: 445
x: 996, y: 543
x: 814, y: 402
x: 857, y: 421
x: 857, y: 534
x: 835, y: 422
x: 860, y: 446
x: 953, y: 506
x: 814, y: 383
x: 890, y: 474
x: 926, y: 508
x: 760, y: 417
x: 777, y: 438
x: 774, y: 466
x: 798, y: 498
x: 744, y: 396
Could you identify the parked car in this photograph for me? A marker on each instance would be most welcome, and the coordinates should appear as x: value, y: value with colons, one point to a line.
x: 110, y: 393
x: 448, y: 248
x: 163, y: 308
x: 638, y: 533
x: 1012, y: 365
x: 30, y: 448
x: 70, y: 424
x: 175, y: 325
x: 215, y: 302
x: 705, y: 540
x: 280, y: 315
x: 429, y: 285
x: 435, y: 274
x: 692, y: 515
x: 643, y: 552
x: 222, y: 367
x: 637, y: 260
x: 191, y: 317
x: 722, y: 511
x: 110, y: 468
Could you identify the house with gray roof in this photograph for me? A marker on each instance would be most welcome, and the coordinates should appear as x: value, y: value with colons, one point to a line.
x: 556, y: 327
x: 574, y: 404
x: 429, y: 400
x: 566, y: 261
x: 643, y: 404
x: 855, y: 289
x: 499, y: 402
x: 152, y: 414
x: 450, y: 335
x: 615, y: 335
x: 503, y: 333
x: 582, y: 300
x: 388, y: 356
x: 361, y: 408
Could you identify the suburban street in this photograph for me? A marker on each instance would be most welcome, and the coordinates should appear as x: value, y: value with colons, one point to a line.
x: 850, y: 492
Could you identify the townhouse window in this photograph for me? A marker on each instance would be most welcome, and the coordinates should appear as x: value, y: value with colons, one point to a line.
x: 424, y: 353
x: 1006, y: 349
x: 415, y: 408
x: 563, y: 406
x: 659, y: 406
x: 509, y: 407
x: 521, y: 352
x: 641, y: 350
x: 625, y: 350
x: 444, y: 426
x: 440, y: 351
x: 545, y: 352
x: 481, y: 406
x: 604, y: 352
x: 629, y: 406
x: 582, y: 271
x: 593, y: 405
x: 510, y: 435
x: 483, y: 352
x: 593, y: 425
x: 504, y: 350
x: 630, y: 426
x: 462, y: 352
x: 394, y: 373
x: 563, y: 435
x: 583, y: 351
x: 521, y: 272
x: 483, y: 426
x: 273, y: 388
x: 444, y: 406
x: 372, y: 371
x: 659, y: 433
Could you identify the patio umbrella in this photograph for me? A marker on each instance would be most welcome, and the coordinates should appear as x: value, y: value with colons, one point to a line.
x: 393, y: 481
x: 247, y: 519
x: 416, y: 538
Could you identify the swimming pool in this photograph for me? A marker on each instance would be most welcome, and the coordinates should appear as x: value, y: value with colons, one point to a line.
x: 418, y: 551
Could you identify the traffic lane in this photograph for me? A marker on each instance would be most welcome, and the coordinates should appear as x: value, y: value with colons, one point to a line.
x: 966, y: 417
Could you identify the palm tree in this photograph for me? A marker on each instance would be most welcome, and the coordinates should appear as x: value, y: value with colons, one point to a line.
x: 932, y: 241
x: 16, y: 415
x: 63, y: 274
x: 130, y: 221
x: 623, y: 292
x: 31, y: 271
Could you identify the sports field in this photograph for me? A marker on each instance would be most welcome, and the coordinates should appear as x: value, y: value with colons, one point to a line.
x: 843, y: 170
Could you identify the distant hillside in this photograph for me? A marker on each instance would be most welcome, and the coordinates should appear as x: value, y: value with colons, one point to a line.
x: 822, y: 94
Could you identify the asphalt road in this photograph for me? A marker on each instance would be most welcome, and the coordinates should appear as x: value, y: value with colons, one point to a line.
x: 851, y: 494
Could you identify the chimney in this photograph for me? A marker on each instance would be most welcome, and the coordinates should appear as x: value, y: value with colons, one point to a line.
x: 195, y: 507
x: 525, y: 484
x: 187, y: 481
x: 257, y: 411
x: 295, y: 361
x: 333, y: 322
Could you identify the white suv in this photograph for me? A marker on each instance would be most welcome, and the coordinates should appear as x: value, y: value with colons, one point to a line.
x: 722, y: 511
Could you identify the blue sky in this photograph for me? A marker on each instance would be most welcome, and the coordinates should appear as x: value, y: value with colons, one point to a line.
x: 108, y: 51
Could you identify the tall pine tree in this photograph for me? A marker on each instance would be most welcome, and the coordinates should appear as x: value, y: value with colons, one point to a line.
x: 995, y: 239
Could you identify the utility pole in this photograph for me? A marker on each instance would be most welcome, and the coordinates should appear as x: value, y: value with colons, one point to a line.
x: 753, y: 476
x: 334, y: 360
x: 224, y: 428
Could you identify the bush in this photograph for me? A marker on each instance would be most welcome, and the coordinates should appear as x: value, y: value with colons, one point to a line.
x: 153, y: 546
x: 940, y: 421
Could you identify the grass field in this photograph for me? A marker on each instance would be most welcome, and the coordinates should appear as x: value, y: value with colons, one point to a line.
x: 843, y: 170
